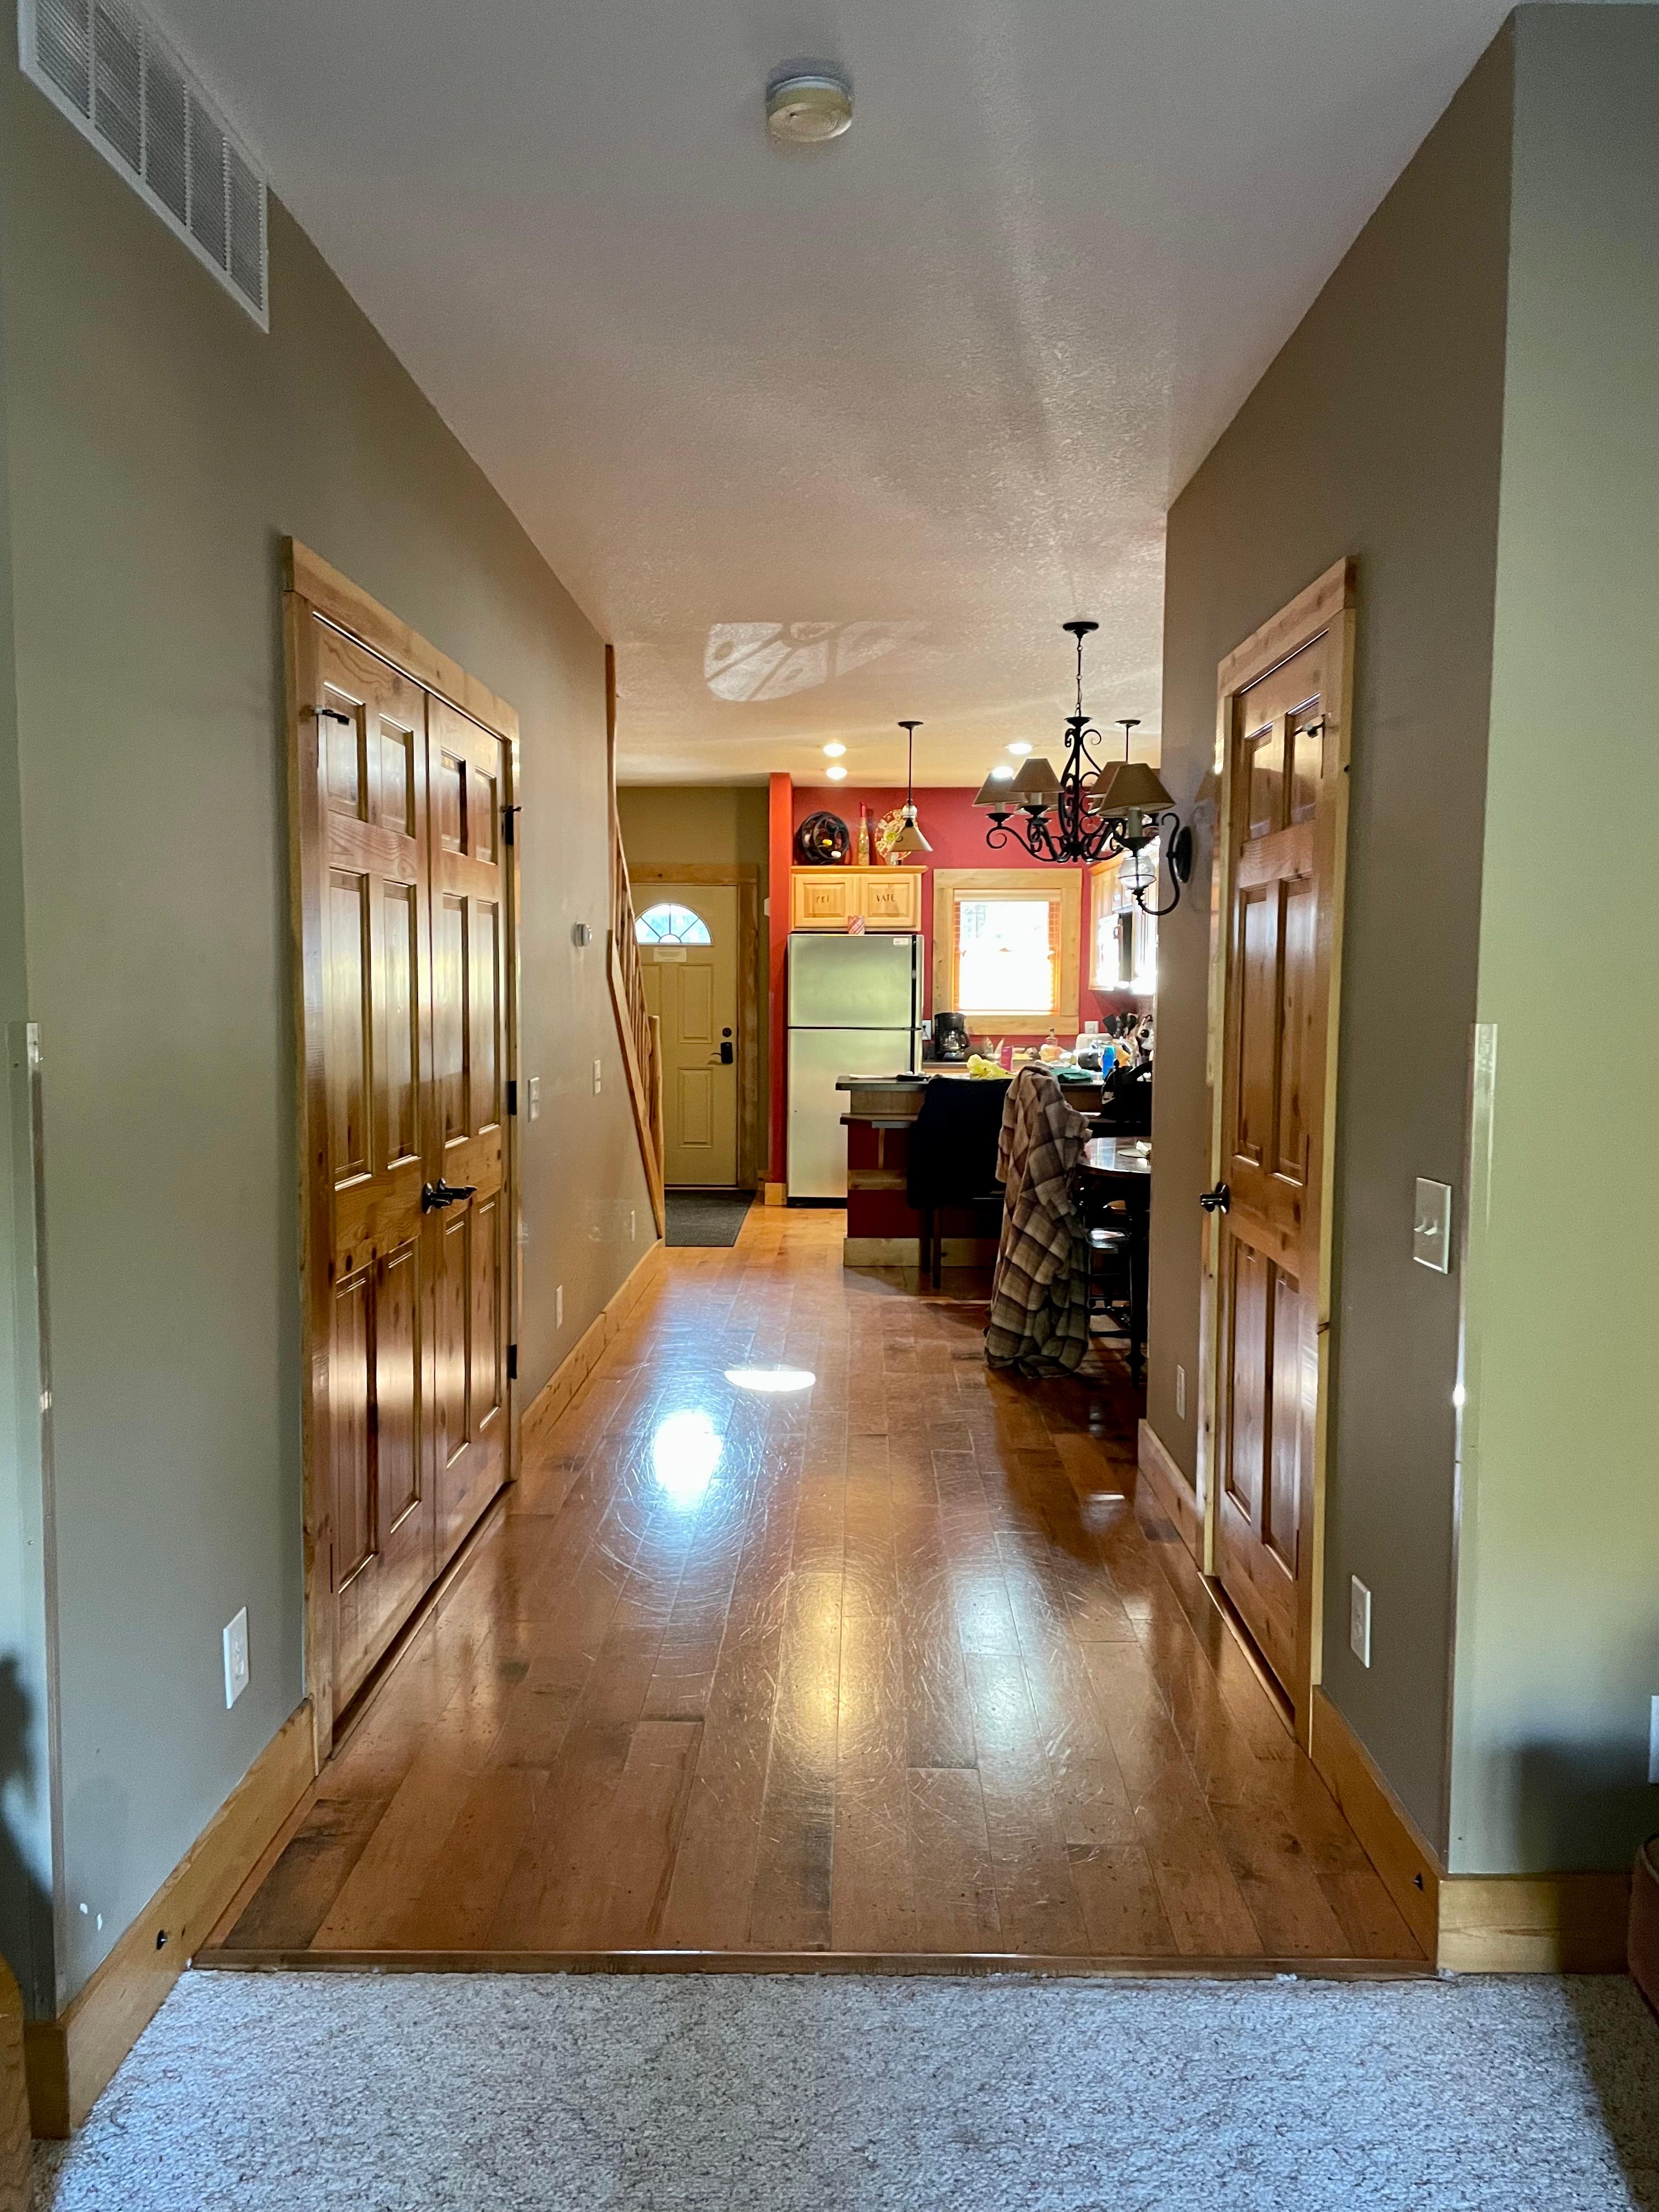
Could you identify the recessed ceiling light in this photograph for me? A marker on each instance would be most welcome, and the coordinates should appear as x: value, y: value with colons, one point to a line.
x: 771, y: 1378
x: 834, y: 749
x: 807, y: 102
x: 836, y: 772
x: 1022, y: 748
x: 1001, y: 773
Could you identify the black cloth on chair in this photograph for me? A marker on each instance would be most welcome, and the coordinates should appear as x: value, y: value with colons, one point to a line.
x: 953, y: 1154
x: 953, y: 1143
x: 1126, y: 1103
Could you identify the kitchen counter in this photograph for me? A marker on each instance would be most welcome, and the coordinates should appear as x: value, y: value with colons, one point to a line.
x: 883, y: 1228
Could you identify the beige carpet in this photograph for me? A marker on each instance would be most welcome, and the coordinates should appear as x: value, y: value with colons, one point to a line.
x: 492, y: 2093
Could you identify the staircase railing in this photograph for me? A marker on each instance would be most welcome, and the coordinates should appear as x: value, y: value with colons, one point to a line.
x: 638, y: 1029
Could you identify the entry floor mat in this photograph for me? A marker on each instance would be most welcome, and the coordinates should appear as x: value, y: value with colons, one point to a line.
x: 706, y: 1217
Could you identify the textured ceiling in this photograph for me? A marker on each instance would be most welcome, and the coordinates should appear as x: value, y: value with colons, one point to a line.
x: 828, y: 436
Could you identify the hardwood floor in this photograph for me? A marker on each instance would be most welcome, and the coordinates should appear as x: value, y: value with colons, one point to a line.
x: 887, y: 1669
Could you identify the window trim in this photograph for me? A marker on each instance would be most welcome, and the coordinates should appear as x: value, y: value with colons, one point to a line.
x: 1063, y: 888
x: 1105, y: 878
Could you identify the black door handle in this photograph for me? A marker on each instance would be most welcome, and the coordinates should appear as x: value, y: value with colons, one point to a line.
x: 1217, y: 1201
x: 434, y: 1195
x: 727, y: 1055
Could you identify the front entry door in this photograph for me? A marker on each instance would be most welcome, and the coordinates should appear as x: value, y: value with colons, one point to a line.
x: 691, y: 985
x: 405, y: 1027
x: 1284, y: 773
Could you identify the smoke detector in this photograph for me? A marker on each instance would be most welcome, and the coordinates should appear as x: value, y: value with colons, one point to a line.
x: 807, y: 102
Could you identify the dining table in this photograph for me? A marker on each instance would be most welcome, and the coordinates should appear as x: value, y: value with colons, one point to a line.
x: 1121, y: 1169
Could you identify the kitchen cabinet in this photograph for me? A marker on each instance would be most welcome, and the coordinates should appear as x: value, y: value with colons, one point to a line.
x: 829, y: 898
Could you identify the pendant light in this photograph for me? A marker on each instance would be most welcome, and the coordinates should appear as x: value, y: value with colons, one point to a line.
x: 1086, y: 811
x: 910, y: 839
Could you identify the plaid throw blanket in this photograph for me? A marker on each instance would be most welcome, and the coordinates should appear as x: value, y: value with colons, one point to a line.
x: 1039, y: 1322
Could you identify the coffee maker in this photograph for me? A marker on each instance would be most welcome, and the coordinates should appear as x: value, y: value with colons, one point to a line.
x: 950, y: 1037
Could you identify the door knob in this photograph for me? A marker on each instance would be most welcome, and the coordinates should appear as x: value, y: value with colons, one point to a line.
x: 440, y: 1193
x: 1217, y: 1201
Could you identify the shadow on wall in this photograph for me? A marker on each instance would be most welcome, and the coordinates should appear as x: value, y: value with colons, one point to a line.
x: 1620, y: 2041
x: 25, y: 1906
x: 1584, y: 1805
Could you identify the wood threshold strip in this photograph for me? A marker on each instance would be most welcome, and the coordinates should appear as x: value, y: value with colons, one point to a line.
x: 1058, y: 1965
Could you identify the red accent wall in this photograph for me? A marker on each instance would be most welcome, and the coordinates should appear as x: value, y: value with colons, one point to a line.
x: 781, y: 838
x: 956, y: 830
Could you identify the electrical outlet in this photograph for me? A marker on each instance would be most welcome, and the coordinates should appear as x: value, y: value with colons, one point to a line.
x: 558, y: 1305
x: 236, y: 1670
x: 633, y: 1222
x: 1180, y: 1393
x: 1359, y: 1620
x: 1653, y: 1740
x: 599, y: 1077
x: 533, y: 1092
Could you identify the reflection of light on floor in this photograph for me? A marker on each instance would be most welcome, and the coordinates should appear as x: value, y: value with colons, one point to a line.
x: 771, y: 1378
x: 684, y: 1453
x: 770, y: 660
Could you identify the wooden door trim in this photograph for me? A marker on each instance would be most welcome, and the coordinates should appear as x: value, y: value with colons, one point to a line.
x: 341, y: 602
x: 744, y: 875
x: 1325, y: 608
x: 314, y: 588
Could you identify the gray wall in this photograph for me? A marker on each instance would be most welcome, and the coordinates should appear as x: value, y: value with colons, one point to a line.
x: 159, y: 445
x: 1374, y: 433
x: 721, y: 823
x: 1558, y: 1629
x: 26, y: 1828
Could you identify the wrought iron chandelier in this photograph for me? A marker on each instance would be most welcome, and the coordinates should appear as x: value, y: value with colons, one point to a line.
x: 1089, y: 811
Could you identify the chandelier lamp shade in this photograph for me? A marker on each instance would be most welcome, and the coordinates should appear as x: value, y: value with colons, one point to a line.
x: 910, y: 840
x: 1089, y: 808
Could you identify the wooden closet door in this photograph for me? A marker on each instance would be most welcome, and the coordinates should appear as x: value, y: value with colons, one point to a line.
x: 1283, y: 769
x: 469, y: 1248
x: 368, y: 725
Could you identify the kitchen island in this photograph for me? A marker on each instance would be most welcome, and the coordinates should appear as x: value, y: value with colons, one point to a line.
x: 884, y: 1230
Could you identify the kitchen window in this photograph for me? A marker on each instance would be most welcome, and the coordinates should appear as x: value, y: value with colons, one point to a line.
x: 1125, y: 939
x: 1005, y: 944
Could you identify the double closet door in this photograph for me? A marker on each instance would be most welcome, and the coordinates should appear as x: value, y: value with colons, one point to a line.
x: 406, y: 1049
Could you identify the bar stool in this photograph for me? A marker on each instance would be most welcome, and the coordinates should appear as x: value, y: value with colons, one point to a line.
x: 953, y: 1158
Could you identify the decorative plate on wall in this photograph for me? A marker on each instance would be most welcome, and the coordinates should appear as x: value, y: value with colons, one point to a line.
x: 823, y: 841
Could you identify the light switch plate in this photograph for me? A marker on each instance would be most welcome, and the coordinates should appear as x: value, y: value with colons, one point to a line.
x: 534, y: 1087
x: 236, y: 1667
x: 1431, y: 1226
x: 1359, y: 1620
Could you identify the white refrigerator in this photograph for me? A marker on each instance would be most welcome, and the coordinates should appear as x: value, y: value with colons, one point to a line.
x: 854, y: 1009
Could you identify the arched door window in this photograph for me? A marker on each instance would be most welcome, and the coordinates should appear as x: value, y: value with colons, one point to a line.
x: 671, y: 925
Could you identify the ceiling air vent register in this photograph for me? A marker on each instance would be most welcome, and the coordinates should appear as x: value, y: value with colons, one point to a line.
x: 123, y: 84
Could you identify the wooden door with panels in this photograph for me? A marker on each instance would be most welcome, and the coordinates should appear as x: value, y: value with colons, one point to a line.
x: 404, y: 903
x: 467, y: 782
x: 369, y: 725
x: 1282, y: 736
x: 690, y: 978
